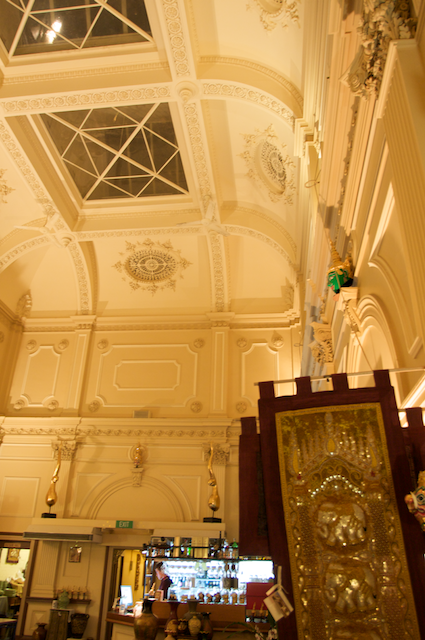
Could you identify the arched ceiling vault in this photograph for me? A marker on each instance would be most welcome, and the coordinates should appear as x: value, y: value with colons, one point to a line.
x: 181, y: 144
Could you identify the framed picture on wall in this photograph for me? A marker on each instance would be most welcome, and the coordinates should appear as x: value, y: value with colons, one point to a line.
x: 12, y: 555
x: 74, y: 554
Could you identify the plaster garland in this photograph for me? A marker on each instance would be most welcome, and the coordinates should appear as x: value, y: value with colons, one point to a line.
x: 148, y: 432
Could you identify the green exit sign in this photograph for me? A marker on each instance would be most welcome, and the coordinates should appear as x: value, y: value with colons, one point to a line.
x: 124, y: 524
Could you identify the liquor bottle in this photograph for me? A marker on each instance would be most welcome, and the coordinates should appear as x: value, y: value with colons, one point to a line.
x: 235, y: 549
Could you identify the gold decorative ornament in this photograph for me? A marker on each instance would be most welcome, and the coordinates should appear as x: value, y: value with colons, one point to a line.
x: 151, y: 266
x: 51, y: 496
x: 214, y: 499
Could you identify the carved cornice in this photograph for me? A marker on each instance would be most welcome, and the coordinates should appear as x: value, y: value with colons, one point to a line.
x: 115, y: 96
x: 168, y: 433
x: 176, y: 37
x: 322, y: 347
x: 221, y: 453
x: 230, y: 89
x: 261, y: 69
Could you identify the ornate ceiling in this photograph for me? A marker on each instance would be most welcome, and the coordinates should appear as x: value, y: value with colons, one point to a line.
x: 151, y: 160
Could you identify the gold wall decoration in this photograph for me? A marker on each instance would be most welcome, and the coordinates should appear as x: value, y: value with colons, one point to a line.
x: 347, y: 555
x: 4, y: 188
x: 151, y: 266
x: 51, y: 496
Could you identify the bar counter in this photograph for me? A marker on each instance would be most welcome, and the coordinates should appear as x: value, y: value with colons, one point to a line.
x: 221, y: 614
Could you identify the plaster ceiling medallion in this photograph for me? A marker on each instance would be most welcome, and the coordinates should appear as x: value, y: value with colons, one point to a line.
x: 151, y: 266
x: 274, y: 12
x: 269, y: 165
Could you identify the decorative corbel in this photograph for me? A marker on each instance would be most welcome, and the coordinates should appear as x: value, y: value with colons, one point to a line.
x: 137, y: 455
x: 67, y: 449
x: 221, y: 453
x: 322, y: 347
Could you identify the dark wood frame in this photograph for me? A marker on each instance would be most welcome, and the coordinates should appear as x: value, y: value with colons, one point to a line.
x: 381, y: 393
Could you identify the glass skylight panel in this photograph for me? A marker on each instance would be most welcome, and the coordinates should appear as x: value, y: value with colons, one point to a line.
x: 123, y: 152
x: 40, y: 26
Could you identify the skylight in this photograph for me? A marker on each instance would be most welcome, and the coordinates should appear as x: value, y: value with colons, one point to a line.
x: 39, y: 26
x: 121, y: 152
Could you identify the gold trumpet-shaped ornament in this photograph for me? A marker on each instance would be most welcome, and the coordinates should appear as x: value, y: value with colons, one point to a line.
x: 51, y: 496
x: 214, y: 499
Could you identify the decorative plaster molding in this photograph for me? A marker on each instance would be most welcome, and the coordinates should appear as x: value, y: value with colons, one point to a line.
x: 39, y: 431
x: 204, y: 434
x: 23, y: 308
x: 151, y: 266
x: 87, y: 71
x: 221, y: 453
x: 20, y: 404
x: 321, y: 347
x: 31, y: 345
x: 63, y: 344
x: 196, y: 407
x: 116, y: 97
x: 176, y: 36
x: 382, y: 21
x: 216, y: 244
x: 67, y: 447
x: 193, y: 122
x: 103, y: 344
x: 229, y: 89
x: 267, y: 166
x: 276, y: 12
x: 51, y: 403
x: 242, y: 343
x: 199, y: 343
x: 137, y: 477
x: 277, y: 341
x: 270, y: 221
x: 8, y: 258
x: 94, y: 406
x: 4, y: 188
x: 261, y: 69
x: 241, y: 407
x: 246, y: 231
x: 24, y: 167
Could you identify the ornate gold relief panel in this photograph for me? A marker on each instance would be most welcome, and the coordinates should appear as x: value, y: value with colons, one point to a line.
x: 348, y: 564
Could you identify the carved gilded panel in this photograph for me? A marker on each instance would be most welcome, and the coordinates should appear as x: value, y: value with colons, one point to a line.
x: 347, y: 555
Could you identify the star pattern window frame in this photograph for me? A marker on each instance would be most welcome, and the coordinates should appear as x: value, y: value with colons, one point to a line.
x: 119, y: 152
x: 45, y: 26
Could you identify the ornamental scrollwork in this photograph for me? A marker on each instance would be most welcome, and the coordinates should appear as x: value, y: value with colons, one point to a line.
x: 322, y: 347
x: 221, y: 453
x: 269, y: 165
x: 382, y: 21
x: 151, y: 266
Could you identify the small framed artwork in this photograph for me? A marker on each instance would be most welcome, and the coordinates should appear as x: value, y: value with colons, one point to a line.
x: 277, y: 602
x: 74, y: 554
x: 12, y: 555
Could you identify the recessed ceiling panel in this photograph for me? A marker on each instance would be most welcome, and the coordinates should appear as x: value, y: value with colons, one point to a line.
x: 111, y: 146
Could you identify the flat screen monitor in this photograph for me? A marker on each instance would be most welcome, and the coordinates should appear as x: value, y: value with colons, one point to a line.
x: 126, y: 595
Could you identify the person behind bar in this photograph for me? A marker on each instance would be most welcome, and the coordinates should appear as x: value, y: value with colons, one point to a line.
x: 166, y: 581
